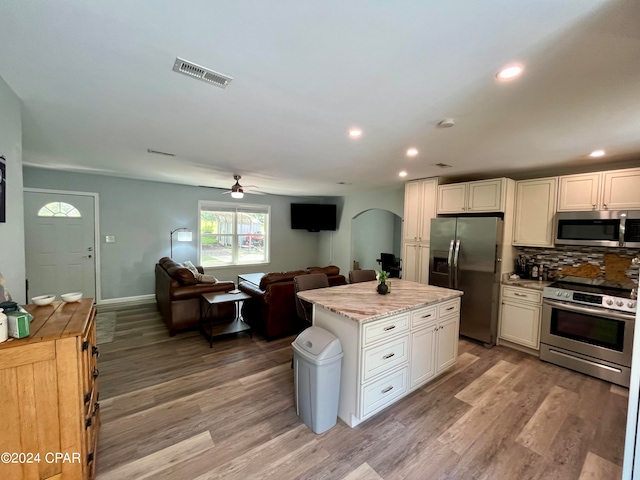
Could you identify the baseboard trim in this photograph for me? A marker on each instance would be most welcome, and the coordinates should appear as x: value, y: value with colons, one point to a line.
x: 137, y: 300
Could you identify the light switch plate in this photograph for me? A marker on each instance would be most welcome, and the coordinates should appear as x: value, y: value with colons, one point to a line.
x: 110, y: 238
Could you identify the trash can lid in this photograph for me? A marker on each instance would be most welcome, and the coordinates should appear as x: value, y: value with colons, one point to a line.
x: 319, y: 343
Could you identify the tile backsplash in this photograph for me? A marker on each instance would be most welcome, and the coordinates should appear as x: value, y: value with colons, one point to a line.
x: 554, y: 259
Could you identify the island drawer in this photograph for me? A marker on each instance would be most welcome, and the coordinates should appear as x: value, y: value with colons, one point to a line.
x: 382, y: 358
x: 381, y: 392
x: 423, y: 316
x: 522, y: 294
x: 379, y: 330
x: 449, y: 308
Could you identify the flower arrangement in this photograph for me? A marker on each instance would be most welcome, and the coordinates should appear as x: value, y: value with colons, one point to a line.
x: 382, y: 276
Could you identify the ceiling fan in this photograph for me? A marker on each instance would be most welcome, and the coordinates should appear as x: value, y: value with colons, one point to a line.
x: 238, y: 191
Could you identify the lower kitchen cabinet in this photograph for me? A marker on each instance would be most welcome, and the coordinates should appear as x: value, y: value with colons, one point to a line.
x: 434, y: 348
x: 520, y: 315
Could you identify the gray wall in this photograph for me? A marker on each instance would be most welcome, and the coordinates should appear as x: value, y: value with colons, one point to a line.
x: 335, y: 247
x: 12, y: 264
x: 141, y: 214
x: 373, y: 232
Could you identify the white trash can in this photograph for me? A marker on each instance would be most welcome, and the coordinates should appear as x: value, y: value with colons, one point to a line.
x: 317, y: 360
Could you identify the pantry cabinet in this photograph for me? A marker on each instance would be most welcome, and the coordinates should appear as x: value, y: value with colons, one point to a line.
x: 483, y: 196
x: 520, y: 316
x: 534, y: 212
x: 415, y: 263
x: 611, y: 190
x: 419, y: 209
x: 49, y: 390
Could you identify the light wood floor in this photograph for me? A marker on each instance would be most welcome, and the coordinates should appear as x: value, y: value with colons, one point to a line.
x: 174, y: 409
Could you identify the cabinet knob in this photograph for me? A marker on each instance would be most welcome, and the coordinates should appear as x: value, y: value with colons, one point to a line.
x: 604, y: 205
x: 594, y: 206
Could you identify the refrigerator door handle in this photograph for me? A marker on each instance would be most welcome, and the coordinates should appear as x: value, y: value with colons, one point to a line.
x: 455, y: 264
x: 450, y: 264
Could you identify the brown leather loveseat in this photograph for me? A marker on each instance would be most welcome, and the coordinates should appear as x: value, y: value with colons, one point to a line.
x: 272, y: 310
x: 178, y: 296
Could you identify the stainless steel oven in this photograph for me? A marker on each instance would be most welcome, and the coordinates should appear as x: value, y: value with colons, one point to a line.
x: 582, y: 331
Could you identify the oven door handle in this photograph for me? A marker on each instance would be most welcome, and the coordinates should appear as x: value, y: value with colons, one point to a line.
x: 572, y: 307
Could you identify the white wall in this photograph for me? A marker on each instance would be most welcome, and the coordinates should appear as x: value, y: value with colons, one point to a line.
x: 335, y: 247
x: 12, y: 263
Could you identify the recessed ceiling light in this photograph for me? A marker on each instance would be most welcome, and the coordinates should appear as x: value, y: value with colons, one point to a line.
x: 597, y: 153
x: 403, y: 173
x: 355, y: 132
x: 510, y: 72
x: 412, y: 152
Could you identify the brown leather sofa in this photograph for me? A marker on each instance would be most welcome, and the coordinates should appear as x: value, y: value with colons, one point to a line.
x: 272, y: 310
x: 178, y: 296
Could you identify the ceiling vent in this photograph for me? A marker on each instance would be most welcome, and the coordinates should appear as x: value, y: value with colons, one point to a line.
x: 158, y: 152
x: 201, y: 73
x: 442, y: 165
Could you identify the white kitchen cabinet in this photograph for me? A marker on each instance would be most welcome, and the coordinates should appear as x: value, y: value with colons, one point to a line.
x: 481, y: 196
x: 520, y: 316
x: 415, y: 263
x: 419, y: 209
x: 434, y: 345
x: 386, y: 358
x: 610, y: 190
x: 535, y: 208
x: 621, y: 189
x: 579, y: 192
x: 452, y: 198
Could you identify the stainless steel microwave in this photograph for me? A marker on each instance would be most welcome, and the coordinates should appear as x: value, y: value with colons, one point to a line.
x: 605, y: 228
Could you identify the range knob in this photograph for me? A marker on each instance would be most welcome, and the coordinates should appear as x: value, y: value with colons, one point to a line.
x: 619, y: 303
x: 609, y: 301
x: 559, y: 294
x: 567, y: 294
x: 631, y: 304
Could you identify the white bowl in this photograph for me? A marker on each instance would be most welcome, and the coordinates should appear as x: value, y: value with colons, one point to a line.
x: 71, y: 297
x: 43, y: 300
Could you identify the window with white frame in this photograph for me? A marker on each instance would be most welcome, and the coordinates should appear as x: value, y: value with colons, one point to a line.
x: 232, y: 234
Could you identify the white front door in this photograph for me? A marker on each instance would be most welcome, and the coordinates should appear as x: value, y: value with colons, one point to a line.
x: 59, y: 243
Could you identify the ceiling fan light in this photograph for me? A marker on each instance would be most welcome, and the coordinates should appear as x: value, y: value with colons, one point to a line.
x: 237, y: 194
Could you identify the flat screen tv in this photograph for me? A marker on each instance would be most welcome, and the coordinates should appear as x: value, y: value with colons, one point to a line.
x: 313, y: 217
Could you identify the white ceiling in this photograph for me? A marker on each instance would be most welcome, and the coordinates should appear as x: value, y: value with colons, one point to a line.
x: 98, y: 88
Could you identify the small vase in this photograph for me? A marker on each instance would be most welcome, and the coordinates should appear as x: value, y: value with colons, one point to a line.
x: 383, y: 289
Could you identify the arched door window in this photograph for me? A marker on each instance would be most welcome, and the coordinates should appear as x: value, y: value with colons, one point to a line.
x: 59, y: 209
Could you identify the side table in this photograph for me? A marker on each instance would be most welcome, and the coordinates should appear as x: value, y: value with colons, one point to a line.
x: 211, y: 328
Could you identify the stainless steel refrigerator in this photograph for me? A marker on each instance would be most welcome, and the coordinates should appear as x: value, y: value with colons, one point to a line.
x: 464, y: 255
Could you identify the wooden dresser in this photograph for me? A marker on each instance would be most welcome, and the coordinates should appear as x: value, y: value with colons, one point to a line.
x: 49, y: 395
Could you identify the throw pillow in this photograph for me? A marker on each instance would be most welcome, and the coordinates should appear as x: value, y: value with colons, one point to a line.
x: 192, y: 268
x: 202, y: 278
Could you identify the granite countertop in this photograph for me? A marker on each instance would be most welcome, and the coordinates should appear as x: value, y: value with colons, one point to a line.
x: 362, y: 303
x: 525, y: 283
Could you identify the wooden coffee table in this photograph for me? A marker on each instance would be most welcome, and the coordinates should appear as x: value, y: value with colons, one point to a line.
x: 212, y: 328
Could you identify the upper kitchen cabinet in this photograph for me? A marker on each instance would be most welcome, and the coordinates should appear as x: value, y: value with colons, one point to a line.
x: 621, y: 189
x: 419, y: 209
x: 613, y: 190
x: 535, y: 208
x: 482, y: 196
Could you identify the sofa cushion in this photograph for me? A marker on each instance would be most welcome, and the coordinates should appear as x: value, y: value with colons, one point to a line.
x: 328, y: 271
x: 275, y: 277
x: 177, y: 271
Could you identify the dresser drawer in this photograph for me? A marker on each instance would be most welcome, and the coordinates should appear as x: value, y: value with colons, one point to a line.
x: 522, y: 294
x: 381, y: 329
x: 448, y: 308
x: 380, y: 393
x: 423, y: 316
x: 383, y: 358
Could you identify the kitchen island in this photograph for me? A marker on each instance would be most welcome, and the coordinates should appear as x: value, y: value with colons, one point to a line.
x: 392, y: 344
